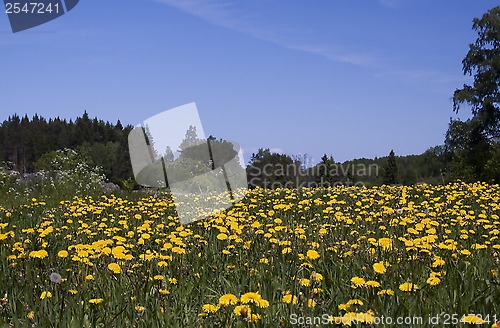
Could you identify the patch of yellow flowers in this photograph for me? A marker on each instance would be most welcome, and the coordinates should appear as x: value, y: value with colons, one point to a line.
x: 344, y: 251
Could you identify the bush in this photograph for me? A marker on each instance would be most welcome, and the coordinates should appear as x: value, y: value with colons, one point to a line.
x: 72, y: 171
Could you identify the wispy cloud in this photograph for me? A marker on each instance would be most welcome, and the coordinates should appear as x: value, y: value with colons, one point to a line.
x: 429, y: 76
x: 222, y: 13
x: 214, y: 11
x: 329, y: 52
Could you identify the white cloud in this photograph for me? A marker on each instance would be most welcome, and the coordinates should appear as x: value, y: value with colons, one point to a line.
x: 221, y: 13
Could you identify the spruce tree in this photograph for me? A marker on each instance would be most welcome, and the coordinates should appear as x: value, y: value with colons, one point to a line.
x: 391, y: 170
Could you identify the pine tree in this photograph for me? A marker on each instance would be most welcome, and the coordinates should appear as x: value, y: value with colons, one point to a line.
x: 391, y: 170
x: 191, y: 139
x: 169, y: 155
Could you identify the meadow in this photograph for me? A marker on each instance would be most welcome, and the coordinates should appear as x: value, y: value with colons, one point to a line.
x: 279, y: 258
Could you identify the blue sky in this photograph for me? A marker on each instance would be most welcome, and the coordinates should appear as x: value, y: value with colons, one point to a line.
x: 347, y: 78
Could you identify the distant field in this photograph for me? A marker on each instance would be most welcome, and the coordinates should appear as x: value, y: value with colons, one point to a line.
x: 354, y: 256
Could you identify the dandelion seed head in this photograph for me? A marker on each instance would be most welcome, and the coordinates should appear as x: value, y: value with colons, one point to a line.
x: 55, y: 277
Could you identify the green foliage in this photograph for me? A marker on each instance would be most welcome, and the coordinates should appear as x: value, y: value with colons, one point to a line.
x: 325, y: 171
x: 473, y: 144
x: 199, y: 167
x: 23, y: 141
x: 492, y: 167
x: 483, y: 62
x: 128, y: 184
x: 105, y: 155
x: 72, y: 170
x: 222, y: 151
x: 7, y: 179
x: 60, y: 160
x: 469, y: 149
x: 272, y: 170
x: 213, y: 156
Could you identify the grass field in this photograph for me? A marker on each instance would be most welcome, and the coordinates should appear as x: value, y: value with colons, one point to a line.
x: 278, y: 258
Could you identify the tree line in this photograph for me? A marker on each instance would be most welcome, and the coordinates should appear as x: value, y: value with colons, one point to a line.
x: 23, y: 142
x: 27, y: 145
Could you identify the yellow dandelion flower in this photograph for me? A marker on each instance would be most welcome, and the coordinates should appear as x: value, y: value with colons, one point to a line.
x: 357, y: 282
x: 355, y: 302
x: 263, y: 303
x: 433, y: 281
x: 96, y: 300
x: 290, y: 299
x: 115, y: 267
x: 372, y: 283
x: 408, y: 287
x: 255, y: 317
x: 250, y: 297
x: 386, y: 243
x: 243, y: 311
x: 222, y: 236
x: 305, y: 282
x: 344, y: 307
x: 210, y: 308
x: 41, y: 254
x: 62, y: 254
x: 178, y: 250
x: 228, y: 299
x: 438, y: 262
x: 379, y: 267
x: 385, y: 292
x: 312, y: 254
x: 316, y: 276
x: 45, y: 295
x: 465, y: 252
x: 472, y: 319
